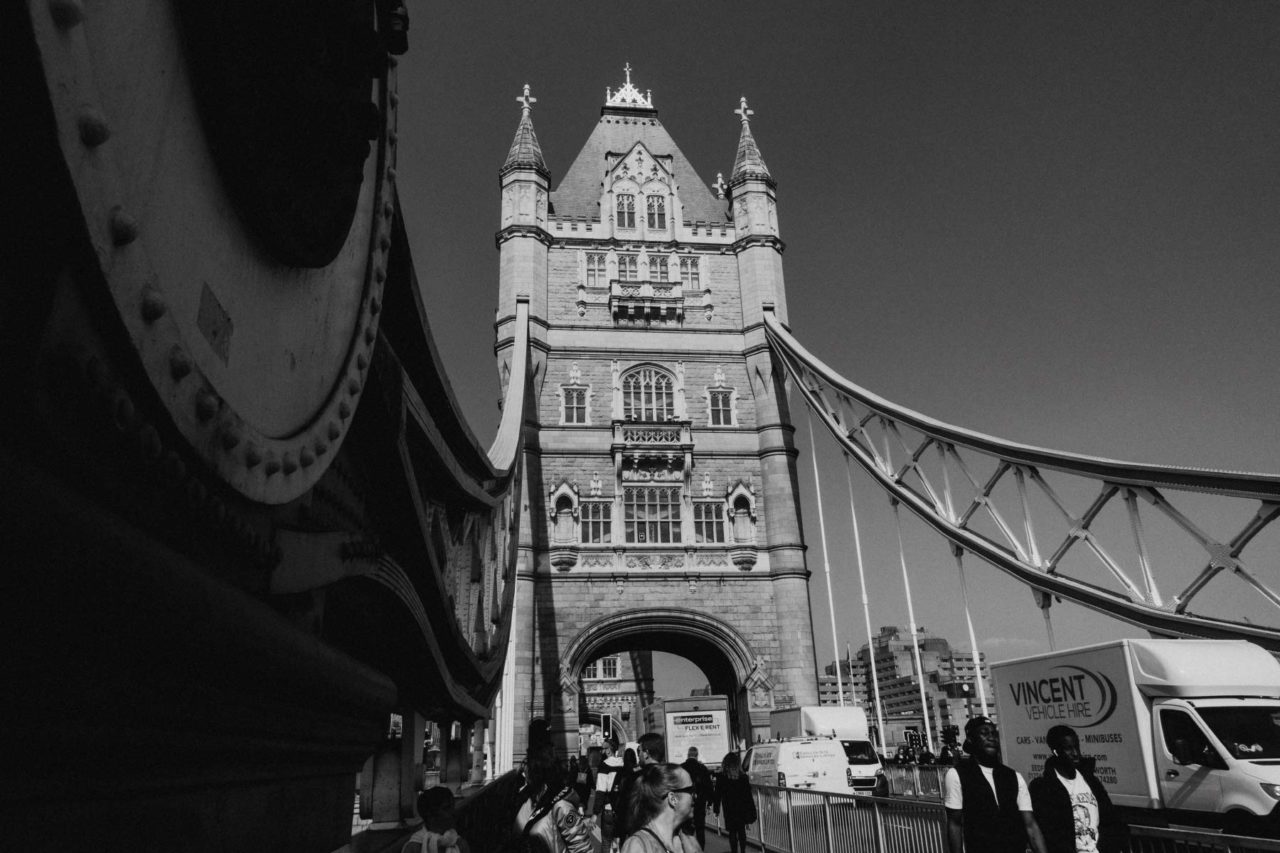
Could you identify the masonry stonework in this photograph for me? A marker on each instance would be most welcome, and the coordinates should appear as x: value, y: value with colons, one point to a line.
x: 661, y: 481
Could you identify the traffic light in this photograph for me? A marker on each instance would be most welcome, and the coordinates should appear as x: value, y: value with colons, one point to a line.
x: 951, y: 735
x: 913, y: 738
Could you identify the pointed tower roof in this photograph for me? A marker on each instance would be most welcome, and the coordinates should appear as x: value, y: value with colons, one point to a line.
x: 749, y: 163
x: 626, y: 118
x: 525, y: 151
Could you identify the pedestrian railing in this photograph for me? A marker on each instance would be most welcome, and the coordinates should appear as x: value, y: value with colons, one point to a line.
x: 921, y: 781
x: 794, y: 820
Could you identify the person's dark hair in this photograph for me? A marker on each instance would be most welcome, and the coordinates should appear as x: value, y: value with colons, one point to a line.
x: 731, y: 762
x: 629, y: 759
x: 650, y: 792
x: 1057, y: 736
x: 541, y: 770
x: 652, y: 743
x: 433, y: 800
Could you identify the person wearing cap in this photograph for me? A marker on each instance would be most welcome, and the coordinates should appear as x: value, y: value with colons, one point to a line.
x: 988, y: 805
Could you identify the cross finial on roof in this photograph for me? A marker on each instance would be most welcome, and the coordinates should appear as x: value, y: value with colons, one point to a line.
x: 627, y: 69
x: 744, y: 111
x: 526, y: 102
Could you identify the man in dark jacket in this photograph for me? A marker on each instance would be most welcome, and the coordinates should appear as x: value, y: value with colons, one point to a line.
x: 988, y: 807
x: 701, y: 777
x: 1071, y: 806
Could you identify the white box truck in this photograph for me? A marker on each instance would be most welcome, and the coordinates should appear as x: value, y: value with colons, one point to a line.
x: 847, y: 724
x: 701, y: 721
x: 1183, y: 731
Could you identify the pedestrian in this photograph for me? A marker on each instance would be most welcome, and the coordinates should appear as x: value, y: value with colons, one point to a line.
x: 615, y: 823
x: 733, y: 795
x: 701, y: 777
x: 438, y: 833
x: 661, y: 803
x: 650, y: 749
x: 988, y: 806
x: 548, y: 809
x: 1071, y: 806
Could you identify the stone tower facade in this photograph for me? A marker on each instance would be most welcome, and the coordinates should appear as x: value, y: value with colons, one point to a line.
x: 661, y: 491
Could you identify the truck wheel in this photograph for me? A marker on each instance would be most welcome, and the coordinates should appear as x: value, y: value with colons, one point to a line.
x: 1242, y: 823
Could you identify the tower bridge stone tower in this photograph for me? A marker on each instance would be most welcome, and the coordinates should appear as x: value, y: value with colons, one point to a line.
x: 661, y: 487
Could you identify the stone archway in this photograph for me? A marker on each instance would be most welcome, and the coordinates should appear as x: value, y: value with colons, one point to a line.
x: 716, y: 647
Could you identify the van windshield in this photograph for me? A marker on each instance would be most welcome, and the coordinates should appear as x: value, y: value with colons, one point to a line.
x: 859, y: 752
x: 1249, y: 733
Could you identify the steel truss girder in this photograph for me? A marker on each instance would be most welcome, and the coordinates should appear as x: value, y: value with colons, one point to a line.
x: 825, y: 390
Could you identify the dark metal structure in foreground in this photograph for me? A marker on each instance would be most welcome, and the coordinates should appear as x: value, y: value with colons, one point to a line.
x: 242, y: 521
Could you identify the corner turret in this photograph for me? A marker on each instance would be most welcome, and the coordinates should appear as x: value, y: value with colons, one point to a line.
x: 753, y: 197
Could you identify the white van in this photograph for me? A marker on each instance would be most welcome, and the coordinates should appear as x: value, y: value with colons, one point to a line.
x: 818, y: 764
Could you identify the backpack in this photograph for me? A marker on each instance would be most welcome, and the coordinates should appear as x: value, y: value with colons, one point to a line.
x: 526, y: 841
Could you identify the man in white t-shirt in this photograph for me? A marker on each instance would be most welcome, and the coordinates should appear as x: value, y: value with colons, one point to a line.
x: 1070, y: 805
x: 988, y: 805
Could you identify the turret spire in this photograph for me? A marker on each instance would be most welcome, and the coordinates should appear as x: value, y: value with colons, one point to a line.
x: 525, y: 151
x: 748, y: 163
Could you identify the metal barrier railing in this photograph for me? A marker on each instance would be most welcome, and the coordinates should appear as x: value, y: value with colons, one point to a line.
x: 793, y: 820
x: 921, y: 781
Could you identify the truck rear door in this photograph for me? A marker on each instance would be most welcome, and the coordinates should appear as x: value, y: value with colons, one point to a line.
x: 1197, y: 784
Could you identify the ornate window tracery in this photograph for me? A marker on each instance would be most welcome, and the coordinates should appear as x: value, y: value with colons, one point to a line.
x: 627, y: 267
x: 648, y: 394
x: 597, y: 522
x: 657, y: 212
x: 651, y: 514
x: 626, y: 211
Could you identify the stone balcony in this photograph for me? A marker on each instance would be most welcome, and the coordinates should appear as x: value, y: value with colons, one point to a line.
x: 659, y: 451
x: 646, y: 302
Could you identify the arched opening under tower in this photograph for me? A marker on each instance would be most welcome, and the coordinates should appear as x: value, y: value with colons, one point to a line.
x: 625, y: 642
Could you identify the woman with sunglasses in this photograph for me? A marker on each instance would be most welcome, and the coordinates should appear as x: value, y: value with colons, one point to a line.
x: 660, y: 805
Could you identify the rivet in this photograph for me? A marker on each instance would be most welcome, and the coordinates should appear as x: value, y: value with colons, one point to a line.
x: 384, y: 242
x: 252, y: 456
x: 353, y: 386
x: 96, y: 373
x: 392, y: 137
x: 93, y: 128
x: 289, y: 463
x: 66, y: 13
x: 272, y: 466
x: 362, y: 361
x: 321, y: 447
x: 334, y: 431
x: 123, y: 412
x: 173, y: 466
x: 307, y: 457
x: 395, y: 98
x: 124, y: 228
x: 344, y: 410
x: 230, y: 438
x: 379, y: 275
x: 387, y: 209
x: 391, y: 61
x: 391, y: 173
x: 149, y: 443
x: 153, y: 306
x: 179, y: 362
x: 374, y: 305
x: 206, y: 405
x: 369, y: 334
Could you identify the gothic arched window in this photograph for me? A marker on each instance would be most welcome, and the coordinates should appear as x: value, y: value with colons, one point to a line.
x: 648, y: 394
x: 626, y: 211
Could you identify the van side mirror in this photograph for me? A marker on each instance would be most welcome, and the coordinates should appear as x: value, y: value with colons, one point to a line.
x: 1183, y: 753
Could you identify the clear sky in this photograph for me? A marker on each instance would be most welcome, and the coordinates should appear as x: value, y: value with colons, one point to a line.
x: 1053, y: 222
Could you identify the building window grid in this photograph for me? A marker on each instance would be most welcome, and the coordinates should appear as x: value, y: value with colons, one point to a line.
x: 627, y: 266
x: 648, y: 395
x: 609, y: 668
x: 658, y: 269
x: 596, y: 276
x: 689, y: 275
x: 657, y: 212
x: 591, y: 670
x: 575, y: 404
x: 708, y: 522
x: 652, y: 514
x: 597, y: 522
x: 721, y: 407
x: 626, y: 211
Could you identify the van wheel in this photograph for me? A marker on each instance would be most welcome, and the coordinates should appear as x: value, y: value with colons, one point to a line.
x: 1242, y: 823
